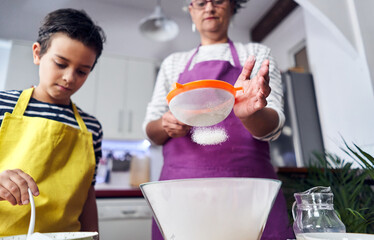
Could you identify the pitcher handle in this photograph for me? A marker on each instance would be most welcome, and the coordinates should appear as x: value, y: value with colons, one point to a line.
x: 293, y: 210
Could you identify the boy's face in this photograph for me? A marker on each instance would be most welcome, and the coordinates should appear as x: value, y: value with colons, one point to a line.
x: 62, y: 69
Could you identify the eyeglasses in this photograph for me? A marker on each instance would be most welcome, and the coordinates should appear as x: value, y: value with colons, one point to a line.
x: 201, y: 4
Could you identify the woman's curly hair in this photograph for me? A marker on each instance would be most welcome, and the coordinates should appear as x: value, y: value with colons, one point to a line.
x: 238, y: 4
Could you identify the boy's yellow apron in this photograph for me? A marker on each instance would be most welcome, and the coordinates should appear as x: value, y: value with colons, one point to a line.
x: 61, y: 160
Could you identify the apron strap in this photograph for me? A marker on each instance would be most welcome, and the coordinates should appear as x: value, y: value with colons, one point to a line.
x: 24, y: 99
x: 234, y: 55
x: 190, y: 60
x: 22, y: 102
x: 79, y: 119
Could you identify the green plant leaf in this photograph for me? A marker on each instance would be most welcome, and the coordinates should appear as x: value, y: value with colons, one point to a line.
x: 353, y: 197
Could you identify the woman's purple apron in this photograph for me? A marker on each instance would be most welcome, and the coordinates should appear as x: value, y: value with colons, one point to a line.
x: 240, y: 156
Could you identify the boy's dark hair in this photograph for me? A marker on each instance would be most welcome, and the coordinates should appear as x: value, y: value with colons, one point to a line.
x: 76, y: 24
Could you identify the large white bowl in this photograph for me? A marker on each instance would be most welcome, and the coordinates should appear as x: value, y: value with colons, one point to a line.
x: 211, y: 208
x: 60, y: 236
x: 334, y: 236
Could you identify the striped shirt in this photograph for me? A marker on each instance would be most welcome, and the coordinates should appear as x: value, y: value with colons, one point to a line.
x: 57, y: 112
x: 175, y: 63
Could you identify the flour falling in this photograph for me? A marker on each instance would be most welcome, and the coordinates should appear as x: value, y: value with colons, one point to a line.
x: 209, y: 135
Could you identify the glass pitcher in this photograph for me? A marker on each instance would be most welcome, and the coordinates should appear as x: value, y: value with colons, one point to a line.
x: 313, y: 211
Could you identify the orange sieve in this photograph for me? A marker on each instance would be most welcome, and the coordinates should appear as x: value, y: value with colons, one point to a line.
x: 203, y: 102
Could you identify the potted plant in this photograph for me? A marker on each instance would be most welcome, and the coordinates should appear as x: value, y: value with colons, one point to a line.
x: 352, y: 187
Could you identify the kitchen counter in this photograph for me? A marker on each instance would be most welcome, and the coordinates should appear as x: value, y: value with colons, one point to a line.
x: 119, y: 193
x: 123, y: 190
x: 118, y: 187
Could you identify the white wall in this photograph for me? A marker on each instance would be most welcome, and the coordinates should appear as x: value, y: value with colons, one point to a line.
x: 364, y: 14
x: 341, y: 73
x: 337, y: 12
x: 286, y: 38
x: 340, y: 44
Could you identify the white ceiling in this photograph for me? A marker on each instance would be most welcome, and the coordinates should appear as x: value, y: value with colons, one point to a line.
x: 19, y: 19
x: 246, y: 18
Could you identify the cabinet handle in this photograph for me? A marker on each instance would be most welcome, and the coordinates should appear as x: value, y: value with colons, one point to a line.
x: 130, y: 122
x: 128, y: 212
x: 120, y: 120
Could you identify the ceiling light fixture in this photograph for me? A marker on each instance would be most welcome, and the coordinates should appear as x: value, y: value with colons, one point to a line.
x: 158, y: 27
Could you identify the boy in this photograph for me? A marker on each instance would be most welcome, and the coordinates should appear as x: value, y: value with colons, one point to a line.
x: 46, y: 143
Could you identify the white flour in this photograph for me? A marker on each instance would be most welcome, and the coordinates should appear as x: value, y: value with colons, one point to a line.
x: 209, y: 135
x: 38, y: 236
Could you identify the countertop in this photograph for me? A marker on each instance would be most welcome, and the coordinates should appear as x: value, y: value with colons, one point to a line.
x: 118, y: 187
x: 119, y: 193
x: 121, y: 189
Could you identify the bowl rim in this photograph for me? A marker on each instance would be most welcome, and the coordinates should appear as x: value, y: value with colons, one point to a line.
x: 326, y: 235
x: 210, y: 179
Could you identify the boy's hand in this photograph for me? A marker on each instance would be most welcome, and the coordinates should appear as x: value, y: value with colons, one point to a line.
x: 13, y: 186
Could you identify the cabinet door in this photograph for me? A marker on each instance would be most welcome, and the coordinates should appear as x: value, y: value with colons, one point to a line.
x: 124, y: 218
x: 117, y: 93
x: 110, y: 96
x: 139, y: 87
x: 85, y: 97
x: 22, y: 72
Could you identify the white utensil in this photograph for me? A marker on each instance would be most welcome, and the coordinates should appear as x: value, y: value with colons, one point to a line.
x: 38, y: 236
x: 56, y: 236
x: 46, y: 236
x: 32, y: 218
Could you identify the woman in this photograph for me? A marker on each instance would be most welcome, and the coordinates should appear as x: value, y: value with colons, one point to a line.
x: 257, y: 116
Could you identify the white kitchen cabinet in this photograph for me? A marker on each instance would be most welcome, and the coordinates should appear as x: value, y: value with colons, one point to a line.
x: 110, y: 105
x: 117, y: 93
x: 139, y: 88
x: 85, y: 97
x: 124, y: 88
x: 21, y: 73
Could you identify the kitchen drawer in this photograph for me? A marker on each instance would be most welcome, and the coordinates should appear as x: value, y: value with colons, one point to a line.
x: 124, y: 218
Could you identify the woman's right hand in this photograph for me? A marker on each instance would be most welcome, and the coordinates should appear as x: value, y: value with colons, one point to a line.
x: 173, y: 127
x: 14, y: 184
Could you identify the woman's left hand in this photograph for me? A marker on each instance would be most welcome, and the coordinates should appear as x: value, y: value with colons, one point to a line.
x: 255, y: 90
